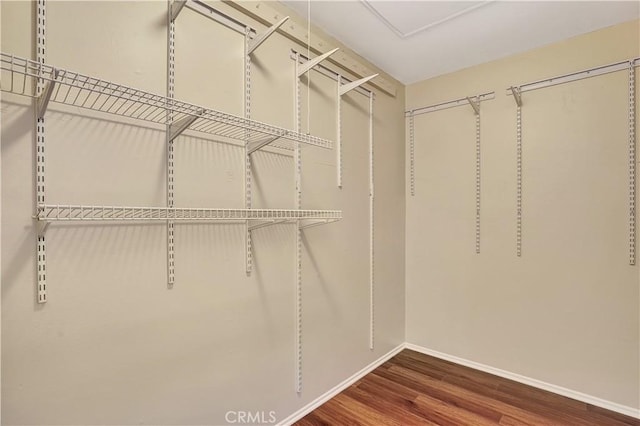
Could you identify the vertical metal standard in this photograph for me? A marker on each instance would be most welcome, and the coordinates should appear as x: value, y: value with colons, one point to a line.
x: 478, y: 180
x: 339, y: 130
x: 632, y: 163
x: 371, y: 229
x: 519, y: 181
x: 517, y: 96
x: 169, y: 140
x: 412, y: 170
x: 298, y: 202
x: 342, y: 90
x: 247, y: 153
x: 40, y: 156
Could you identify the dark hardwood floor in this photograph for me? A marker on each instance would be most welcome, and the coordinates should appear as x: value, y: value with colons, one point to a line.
x: 416, y: 389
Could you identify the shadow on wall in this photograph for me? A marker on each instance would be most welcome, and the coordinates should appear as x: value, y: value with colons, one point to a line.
x: 17, y: 121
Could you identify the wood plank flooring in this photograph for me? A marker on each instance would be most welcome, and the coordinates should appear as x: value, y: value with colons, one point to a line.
x: 416, y: 389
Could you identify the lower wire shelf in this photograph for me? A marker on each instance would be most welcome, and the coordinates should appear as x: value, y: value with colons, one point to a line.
x: 257, y: 217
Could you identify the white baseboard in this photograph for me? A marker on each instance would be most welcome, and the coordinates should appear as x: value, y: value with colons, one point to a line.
x: 340, y: 387
x: 618, y: 408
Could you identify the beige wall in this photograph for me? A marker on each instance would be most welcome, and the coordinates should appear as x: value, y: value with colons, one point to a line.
x: 113, y: 345
x: 567, y: 311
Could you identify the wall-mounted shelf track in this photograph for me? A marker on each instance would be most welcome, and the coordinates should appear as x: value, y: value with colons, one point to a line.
x: 74, y: 89
x: 474, y: 102
x: 628, y: 65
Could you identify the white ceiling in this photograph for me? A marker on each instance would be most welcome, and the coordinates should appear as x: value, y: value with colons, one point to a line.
x: 416, y: 40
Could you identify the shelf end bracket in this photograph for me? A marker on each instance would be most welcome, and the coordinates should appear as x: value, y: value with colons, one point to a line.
x: 43, y: 100
x: 265, y: 224
x: 344, y: 88
x: 176, y: 8
x: 256, y: 42
x: 303, y: 68
x: 179, y: 126
x: 517, y: 95
x: 254, y: 146
x: 475, y: 104
x: 41, y: 226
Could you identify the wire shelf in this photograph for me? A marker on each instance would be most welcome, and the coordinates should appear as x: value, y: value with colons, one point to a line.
x: 20, y: 75
x: 77, y: 213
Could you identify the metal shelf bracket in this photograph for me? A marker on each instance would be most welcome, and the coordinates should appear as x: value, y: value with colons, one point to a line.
x: 475, y: 104
x: 43, y: 99
x: 317, y: 223
x: 303, y: 68
x: 256, y: 42
x: 179, y: 126
x: 41, y: 226
x: 265, y: 224
x: 176, y: 8
x: 515, y: 91
x: 254, y: 146
x: 345, y: 88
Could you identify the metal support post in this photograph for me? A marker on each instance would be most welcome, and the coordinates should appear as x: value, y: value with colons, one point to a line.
x: 632, y: 163
x: 412, y: 166
x: 171, y: 28
x: 476, y: 108
x: 298, y: 202
x: 41, y: 272
x: 247, y: 149
x: 371, y: 230
x: 515, y: 91
x: 519, y: 181
x: 339, y: 131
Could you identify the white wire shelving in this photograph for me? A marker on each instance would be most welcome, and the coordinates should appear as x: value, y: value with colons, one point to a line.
x: 47, y: 84
x: 73, y: 213
x: 20, y: 76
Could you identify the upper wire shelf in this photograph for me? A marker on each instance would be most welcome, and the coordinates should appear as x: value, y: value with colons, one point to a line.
x: 48, y: 213
x: 20, y: 75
